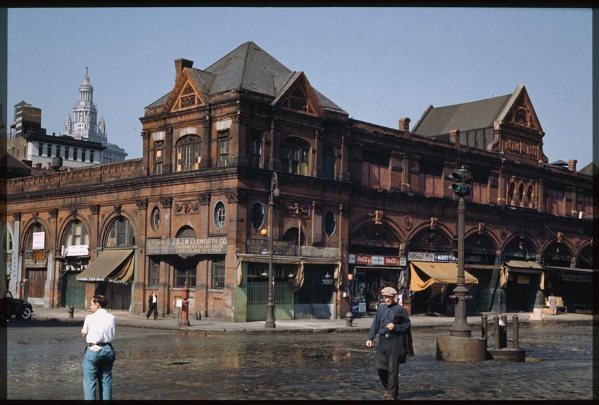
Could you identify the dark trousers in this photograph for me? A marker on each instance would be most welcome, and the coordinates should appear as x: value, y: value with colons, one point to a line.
x: 387, y: 362
x: 151, y: 310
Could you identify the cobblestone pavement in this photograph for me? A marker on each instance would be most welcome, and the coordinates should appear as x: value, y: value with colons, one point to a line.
x: 44, y: 362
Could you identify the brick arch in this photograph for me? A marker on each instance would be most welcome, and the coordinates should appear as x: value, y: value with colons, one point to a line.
x: 67, y: 222
x: 107, y: 223
x: 440, y: 230
x: 27, y: 229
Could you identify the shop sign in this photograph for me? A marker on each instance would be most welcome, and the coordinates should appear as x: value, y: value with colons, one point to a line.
x: 576, y: 277
x: 75, y: 267
x: 522, y: 280
x: 186, y: 246
x: 35, y: 264
x: 444, y: 257
x: 368, y: 260
x: 421, y: 257
x: 75, y: 250
x: 38, y: 240
x: 327, y: 281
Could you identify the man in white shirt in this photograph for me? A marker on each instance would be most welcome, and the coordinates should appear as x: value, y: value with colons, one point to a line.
x: 99, y: 332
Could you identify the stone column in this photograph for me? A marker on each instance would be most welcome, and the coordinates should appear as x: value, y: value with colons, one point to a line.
x: 164, y: 290
x: 318, y: 170
x: 206, y: 148
x: 15, y: 270
x: 148, y: 155
x: 274, y: 161
x: 51, y: 287
x: 142, y: 264
x: 345, y: 176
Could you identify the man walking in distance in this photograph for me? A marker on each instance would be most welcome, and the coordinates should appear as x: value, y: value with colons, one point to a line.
x: 152, y: 306
x: 99, y: 332
x: 391, y: 324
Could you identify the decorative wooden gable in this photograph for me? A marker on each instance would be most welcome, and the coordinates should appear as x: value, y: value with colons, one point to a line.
x: 522, y: 113
x: 520, y: 117
x: 184, y: 96
x: 301, y: 97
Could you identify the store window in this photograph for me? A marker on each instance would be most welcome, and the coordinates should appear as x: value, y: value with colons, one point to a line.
x: 218, y: 274
x: 219, y: 214
x: 154, y: 280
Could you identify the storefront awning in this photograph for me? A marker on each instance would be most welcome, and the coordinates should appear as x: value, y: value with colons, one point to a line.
x: 437, y: 273
x: 522, y: 266
x: 115, y: 265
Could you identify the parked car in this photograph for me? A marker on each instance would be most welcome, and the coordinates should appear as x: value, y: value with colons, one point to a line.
x: 16, y: 307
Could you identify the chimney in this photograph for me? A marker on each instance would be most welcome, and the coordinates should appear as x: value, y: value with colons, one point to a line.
x: 454, y: 137
x: 404, y: 124
x: 572, y: 165
x: 180, y: 64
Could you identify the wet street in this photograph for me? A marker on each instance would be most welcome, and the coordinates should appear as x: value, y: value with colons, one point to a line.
x: 44, y: 362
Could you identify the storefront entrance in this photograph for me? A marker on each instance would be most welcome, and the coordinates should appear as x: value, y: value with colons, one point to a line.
x: 315, y: 298
x: 72, y: 292
x: 365, y: 287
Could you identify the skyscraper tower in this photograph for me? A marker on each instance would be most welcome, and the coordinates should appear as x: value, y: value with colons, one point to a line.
x: 84, y: 125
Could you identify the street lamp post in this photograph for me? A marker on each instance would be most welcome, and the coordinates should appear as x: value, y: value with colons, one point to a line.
x: 270, y: 305
x: 461, y: 187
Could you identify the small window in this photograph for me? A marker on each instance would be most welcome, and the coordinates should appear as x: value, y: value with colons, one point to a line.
x: 257, y: 215
x: 219, y: 214
x: 223, y: 149
x: 218, y: 274
x: 154, y: 272
x: 155, y: 218
x: 330, y: 224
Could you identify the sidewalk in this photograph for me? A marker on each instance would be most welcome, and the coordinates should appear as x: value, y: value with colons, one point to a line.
x: 125, y: 318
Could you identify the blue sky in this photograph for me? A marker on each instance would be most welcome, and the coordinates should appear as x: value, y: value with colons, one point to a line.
x: 378, y: 64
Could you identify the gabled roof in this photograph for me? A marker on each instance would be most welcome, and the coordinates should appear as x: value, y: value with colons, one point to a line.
x: 247, y: 67
x: 466, y: 116
x: 588, y: 169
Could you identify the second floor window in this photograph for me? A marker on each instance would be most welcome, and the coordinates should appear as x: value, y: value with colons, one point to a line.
x: 188, y: 153
x: 375, y: 170
x: 75, y: 153
x: 58, y: 151
x: 91, y: 155
x: 254, y: 150
x: 40, y: 149
x: 294, y: 156
x: 66, y: 152
x: 223, y: 149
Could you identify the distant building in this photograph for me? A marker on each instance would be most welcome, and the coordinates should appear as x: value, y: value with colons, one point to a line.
x: 83, y: 125
x: 29, y: 143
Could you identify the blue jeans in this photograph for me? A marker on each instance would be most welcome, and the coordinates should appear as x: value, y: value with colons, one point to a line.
x: 98, y: 366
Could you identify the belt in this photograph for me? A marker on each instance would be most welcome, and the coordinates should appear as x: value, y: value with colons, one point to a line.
x: 99, y: 344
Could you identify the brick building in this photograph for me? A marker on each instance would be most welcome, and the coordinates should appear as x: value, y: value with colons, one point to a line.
x: 360, y: 206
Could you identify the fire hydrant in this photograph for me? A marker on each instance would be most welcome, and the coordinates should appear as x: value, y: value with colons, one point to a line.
x: 71, y: 311
x: 349, y: 319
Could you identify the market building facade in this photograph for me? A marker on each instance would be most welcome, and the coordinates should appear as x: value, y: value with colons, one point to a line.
x: 359, y: 206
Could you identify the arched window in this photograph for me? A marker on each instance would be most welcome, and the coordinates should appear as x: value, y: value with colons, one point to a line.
x: 75, y: 234
x: 188, y: 153
x: 294, y: 156
x: 120, y: 234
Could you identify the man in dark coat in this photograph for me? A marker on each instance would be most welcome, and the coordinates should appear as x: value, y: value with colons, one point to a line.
x: 392, y: 325
x: 152, y: 306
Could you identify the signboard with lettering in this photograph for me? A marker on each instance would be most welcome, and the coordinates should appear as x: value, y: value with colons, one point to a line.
x: 38, y: 240
x: 186, y: 246
x: 76, y: 250
x: 373, y: 260
x: 431, y: 257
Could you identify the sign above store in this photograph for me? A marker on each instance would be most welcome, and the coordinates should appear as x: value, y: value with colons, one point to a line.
x: 186, y: 246
x: 431, y: 257
x: 370, y: 260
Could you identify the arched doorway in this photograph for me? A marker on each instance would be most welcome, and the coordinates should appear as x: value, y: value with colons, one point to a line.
x: 432, y: 245
x: 480, y: 261
x: 35, y: 265
x: 524, y: 275
x: 75, y: 258
x: 374, y: 263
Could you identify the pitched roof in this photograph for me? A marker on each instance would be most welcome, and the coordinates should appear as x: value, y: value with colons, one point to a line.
x: 588, y: 169
x: 466, y: 116
x: 246, y: 67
